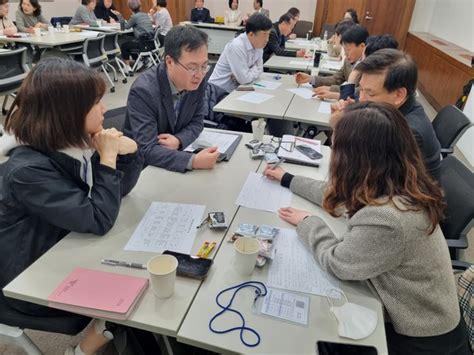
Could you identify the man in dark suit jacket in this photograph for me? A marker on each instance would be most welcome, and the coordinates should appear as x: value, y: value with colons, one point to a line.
x: 200, y: 13
x: 276, y: 42
x: 165, y: 108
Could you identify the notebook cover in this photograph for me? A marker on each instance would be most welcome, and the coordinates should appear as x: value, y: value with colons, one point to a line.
x: 98, y: 293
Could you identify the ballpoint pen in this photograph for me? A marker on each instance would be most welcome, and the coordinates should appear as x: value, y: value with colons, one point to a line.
x: 123, y: 263
x: 259, y: 85
x: 274, y: 166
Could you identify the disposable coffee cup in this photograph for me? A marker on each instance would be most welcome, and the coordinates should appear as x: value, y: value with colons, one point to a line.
x: 51, y: 30
x: 66, y: 28
x: 246, y: 252
x: 258, y: 129
x: 37, y: 32
x: 162, y: 274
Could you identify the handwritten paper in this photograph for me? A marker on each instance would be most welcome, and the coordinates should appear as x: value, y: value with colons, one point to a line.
x: 222, y: 140
x: 295, y: 269
x: 267, y: 84
x: 167, y: 226
x: 305, y: 93
x: 324, y: 107
x: 255, y: 97
x: 264, y: 194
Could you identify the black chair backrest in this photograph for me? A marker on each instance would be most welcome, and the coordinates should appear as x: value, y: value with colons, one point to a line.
x: 147, y: 42
x: 458, y: 184
x: 302, y: 28
x: 13, y: 69
x: 64, y: 20
x: 449, y: 124
x: 111, y: 43
x: 330, y: 29
x: 93, y: 52
x: 115, y: 118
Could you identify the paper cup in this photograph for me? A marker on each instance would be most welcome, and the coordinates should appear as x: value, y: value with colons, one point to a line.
x: 51, y: 30
x: 37, y: 32
x: 162, y: 273
x: 258, y: 129
x: 246, y: 252
x: 66, y: 28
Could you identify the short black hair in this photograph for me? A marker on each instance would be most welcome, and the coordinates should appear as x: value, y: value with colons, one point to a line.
x: 260, y: 2
x: 399, y: 68
x: 230, y: 3
x: 343, y: 25
x: 355, y: 34
x: 258, y: 22
x: 294, y: 11
x: 161, y: 3
x: 353, y: 14
x: 188, y: 38
x: 374, y: 43
x: 285, y: 18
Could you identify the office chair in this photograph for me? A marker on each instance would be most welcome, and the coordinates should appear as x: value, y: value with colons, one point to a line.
x: 302, y: 28
x: 449, y: 125
x: 148, y: 49
x: 115, y: 118
x: 13, y: 70
x: 93, y: 55
x: 457, y: 182
x: 112, y: 51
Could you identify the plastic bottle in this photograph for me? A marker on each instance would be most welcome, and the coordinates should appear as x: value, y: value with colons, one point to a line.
x: 325, y: 36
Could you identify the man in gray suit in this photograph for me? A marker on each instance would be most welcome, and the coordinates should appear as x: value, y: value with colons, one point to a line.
x: 165, y: 104
x: 258, y: 7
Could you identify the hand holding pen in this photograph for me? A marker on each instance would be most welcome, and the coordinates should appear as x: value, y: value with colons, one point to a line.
x: 274, y: 172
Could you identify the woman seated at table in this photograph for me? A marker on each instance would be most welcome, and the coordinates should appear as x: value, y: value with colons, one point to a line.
x: 142, y: 26
x: 377, y: 179
x: 28, y: 16
x: 233, y: 17
x: 65, y: 173
x: 161, y: 18
x: 85, y: 13
x: 7, y: 27
x: 105, y: 11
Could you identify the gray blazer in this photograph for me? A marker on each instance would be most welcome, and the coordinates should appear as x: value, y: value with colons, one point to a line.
x: 83, y: 15
x: 150, y: 113
x: 388, y: 245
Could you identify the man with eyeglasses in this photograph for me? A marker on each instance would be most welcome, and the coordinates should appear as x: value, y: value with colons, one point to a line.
x: 165, y: 108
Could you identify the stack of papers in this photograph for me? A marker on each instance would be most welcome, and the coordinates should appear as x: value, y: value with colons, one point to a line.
x: 223, y: 141
x: 291, y: 155
x: 255, y: 97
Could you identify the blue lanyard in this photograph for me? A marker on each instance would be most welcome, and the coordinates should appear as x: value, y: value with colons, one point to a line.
x: 260, y: 290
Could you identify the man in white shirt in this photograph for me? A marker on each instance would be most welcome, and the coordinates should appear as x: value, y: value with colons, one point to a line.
x: 241, y: 61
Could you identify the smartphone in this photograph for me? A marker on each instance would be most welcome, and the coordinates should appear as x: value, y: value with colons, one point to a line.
x: 347, y: 91
x: 309, y: 152
x: 245, y: 88
x: 328, y: 348
x: 317, y: 59
x: 190, y: 265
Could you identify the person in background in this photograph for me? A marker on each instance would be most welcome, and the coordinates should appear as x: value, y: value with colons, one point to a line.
x: 233, y: 17
x: 258, y: 7
x: 393, y: 240
x: 165, y: 110
x: 334, y: 45
x: 162, y: 20
x: 64, y: 173
x: 142, y: 26
x: 28, y: 16
x: 293, y: 11
x: 327, y: 87
x: 84, y: 13
x: 200, y: 13
x: 7, y: 27
x: 276, y: 43
x: 241, y: 61
x: 105, y: 11
x: 351, y: 14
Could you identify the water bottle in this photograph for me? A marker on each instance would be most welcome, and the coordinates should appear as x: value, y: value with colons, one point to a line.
x: 325, y: 36
x: 308, y: 35
x: 58, y: 26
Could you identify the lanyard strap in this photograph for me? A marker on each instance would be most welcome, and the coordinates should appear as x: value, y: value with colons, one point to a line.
x: 260, y: 290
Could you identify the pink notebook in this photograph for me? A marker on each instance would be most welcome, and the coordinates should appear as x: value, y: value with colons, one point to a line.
x: 98, y: 293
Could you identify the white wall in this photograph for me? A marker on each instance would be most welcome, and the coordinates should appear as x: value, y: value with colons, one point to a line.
x: 276, y: 7
x: 451, y: 20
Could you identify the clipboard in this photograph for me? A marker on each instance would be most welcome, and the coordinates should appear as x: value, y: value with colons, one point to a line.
x: 230, y: 149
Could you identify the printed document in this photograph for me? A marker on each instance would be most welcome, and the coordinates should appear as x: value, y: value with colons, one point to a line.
x: 255, y: 97
x: 267, y: 84
x: 264, y: 194
x: 167, y: 226
x: 295, y: 269
x: 302, y: 92
x: 222, y: 140
x: 286, y: 305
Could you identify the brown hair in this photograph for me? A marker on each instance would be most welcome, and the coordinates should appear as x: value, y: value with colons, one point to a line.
x: 36, y: 7
x: 86, y: 2
x: 50, y: 109
x: 3, y: 2
x: 374, y: 159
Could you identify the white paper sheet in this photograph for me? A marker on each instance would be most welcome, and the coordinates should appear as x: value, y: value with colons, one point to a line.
x: 305, y: 93
x: 255, y: 97
x: 222, y: 140
x: 264, y: 194
x: 331, y: 65
x: 302, y: 63
x: 288, y: 151
x: 267, y: 84
x: 88, y: 34
x: 295, y: 269
x: 167, y: 226
x: 324, y: 107
x: 286, y: 305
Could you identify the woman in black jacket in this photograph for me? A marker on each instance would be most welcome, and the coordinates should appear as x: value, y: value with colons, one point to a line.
x: 64, y: 172
x: 105, y: 10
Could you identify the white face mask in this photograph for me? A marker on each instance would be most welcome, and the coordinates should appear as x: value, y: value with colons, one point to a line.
x: 354, y: 321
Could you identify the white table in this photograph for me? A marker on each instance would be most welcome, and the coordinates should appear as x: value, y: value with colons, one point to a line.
x: 276, y: 62
x: 276, y: 336
x: 307, y: 111
x: 48, y: 40
x: 217, y: 189
x: 219, y: 35
x: 108, y: 28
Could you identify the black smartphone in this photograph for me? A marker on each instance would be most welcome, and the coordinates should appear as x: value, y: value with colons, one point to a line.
x: 347, y: 91
x: 328, y: 348
x: 190, y: 265
x: 317, y: 59
x: 309, y: 152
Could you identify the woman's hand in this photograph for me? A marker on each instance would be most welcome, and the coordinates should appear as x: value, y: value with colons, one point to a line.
x: 292, y: 215
x: 127, y: 146
x: 274, y: 174
x: 107, y: 144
